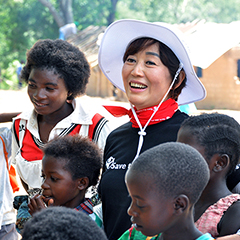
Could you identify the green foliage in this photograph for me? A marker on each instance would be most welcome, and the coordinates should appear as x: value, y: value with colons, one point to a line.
x: 23, y: 22
x: 92, y: 12
x: 9, y: 77
x: 180, y: 11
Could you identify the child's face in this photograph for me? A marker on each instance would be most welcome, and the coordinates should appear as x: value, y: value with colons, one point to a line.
x: 47, y: 91
x: 58, y: 184
x: 151, y: 212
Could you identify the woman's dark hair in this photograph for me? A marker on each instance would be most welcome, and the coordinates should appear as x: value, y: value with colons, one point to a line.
x: 64, y: 59
x: 167, y: 57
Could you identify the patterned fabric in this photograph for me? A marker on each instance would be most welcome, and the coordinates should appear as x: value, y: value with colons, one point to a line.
x: 211, y: 217
x: 133, y: 234
x: 86, y: 206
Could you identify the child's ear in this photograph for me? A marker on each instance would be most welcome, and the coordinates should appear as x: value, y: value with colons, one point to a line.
x: 83, y: 183
x: 221, y: 163
x: 181, y: 202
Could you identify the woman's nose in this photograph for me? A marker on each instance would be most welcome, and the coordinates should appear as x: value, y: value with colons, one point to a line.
x: 137, y: 70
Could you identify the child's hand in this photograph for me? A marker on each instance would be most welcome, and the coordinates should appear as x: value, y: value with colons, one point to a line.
x: 48, y: 201
x: 37, y: 203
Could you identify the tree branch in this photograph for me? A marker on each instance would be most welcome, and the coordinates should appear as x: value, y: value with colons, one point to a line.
x: 57, y: 16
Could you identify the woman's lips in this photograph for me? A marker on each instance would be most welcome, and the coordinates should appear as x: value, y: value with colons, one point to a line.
x: 137, y: 85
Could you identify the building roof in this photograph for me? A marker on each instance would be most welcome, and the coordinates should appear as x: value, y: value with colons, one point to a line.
x: 207, y: 41
x: 88, y: 41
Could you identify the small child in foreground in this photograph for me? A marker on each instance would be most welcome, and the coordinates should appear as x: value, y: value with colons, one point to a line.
x: 58, y: 223
x: 217, y: 138
x: 71, y: 164
x: 164, y: 183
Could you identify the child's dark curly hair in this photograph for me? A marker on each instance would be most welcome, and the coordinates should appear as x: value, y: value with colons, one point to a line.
x: 82, y: 157
x: 217, y: 133
x: 64, y: 59
x: 55, y: 223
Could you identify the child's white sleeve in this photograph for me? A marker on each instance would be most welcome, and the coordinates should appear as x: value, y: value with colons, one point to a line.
x: 6, y: 134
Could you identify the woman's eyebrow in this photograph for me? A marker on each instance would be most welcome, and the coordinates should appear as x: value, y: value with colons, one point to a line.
x: 153, y: 53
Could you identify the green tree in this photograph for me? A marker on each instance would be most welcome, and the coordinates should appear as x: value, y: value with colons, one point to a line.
x: 61, y: 11
x: 180, y: 11
x: 82, y: 11
x: 22, y: 23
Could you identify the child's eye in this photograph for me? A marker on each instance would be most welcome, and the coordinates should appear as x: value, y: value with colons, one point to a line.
x: 54, y: 179
x: 31, y: 85
x: 139, y: 205
x: 49, y: 89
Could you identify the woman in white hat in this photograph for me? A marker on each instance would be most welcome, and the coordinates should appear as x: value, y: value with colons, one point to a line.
x: 151, y: 64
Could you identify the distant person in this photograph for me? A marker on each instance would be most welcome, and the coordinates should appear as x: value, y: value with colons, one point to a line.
x: 19, y: 69
x: 217, y: 138
x: 61, y: 223
x: 67, y: 30
x: 70, y: 165
x: 56, y: 72
x: 164, y: 183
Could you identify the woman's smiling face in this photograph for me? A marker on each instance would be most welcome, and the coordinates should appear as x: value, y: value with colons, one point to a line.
x: 146, y: 79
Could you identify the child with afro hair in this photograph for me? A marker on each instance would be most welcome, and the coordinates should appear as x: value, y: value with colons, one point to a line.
x: 70, y: 166
x: 57, y: 223
x: 56, y: 72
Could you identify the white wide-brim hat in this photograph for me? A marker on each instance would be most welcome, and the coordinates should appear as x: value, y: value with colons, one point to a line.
x: 120, y: 34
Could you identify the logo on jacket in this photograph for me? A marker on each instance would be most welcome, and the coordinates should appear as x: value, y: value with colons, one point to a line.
x: 111, y: 164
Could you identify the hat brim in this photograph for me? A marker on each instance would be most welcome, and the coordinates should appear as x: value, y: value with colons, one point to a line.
x: 121, y: 33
